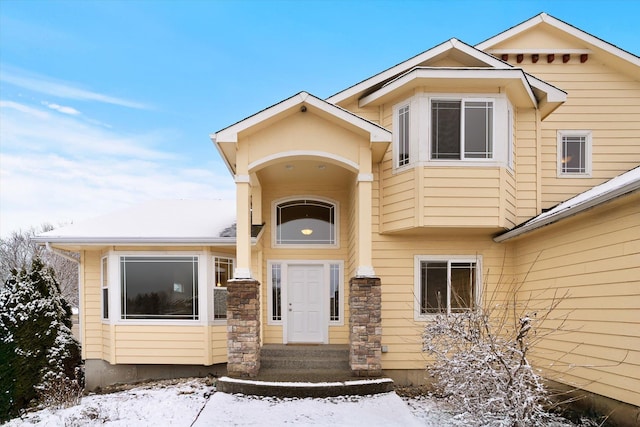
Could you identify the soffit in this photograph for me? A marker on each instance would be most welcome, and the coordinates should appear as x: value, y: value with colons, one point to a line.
x: 512, y: 81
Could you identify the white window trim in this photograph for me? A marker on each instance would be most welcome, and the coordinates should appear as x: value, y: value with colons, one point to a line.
x: 211, y: 278
x: 284, y: 264
x: 410, y: 136
x: 420, y: 131
x: 115, y: 305
x: 274, y: 223
x: 105, y: 319
x: 587, y: 154
x: 417, y: 315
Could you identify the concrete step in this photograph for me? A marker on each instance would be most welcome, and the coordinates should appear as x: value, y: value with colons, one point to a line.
x: 304, y: 357
x: 303, y: 389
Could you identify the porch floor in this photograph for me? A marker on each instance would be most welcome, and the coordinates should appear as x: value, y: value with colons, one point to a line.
x: 305, y: 371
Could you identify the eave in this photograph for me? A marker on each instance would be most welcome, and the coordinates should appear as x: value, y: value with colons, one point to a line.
x: 513, y: 81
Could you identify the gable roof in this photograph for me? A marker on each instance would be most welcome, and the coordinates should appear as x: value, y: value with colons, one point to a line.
x: 545, y: 19
x: 621, y: 185
x: 545, y: 93
x: 375, y: 132
x: 195, y: 222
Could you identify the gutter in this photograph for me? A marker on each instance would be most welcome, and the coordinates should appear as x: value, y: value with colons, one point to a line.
x: 101, y: 241
x: 547, y: 219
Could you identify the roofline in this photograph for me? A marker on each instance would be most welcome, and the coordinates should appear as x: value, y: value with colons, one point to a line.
x: 568, y: 28
x: 534, y: 224
x: 449, y: 73
x: 414, y: 61
x: 230, y: 133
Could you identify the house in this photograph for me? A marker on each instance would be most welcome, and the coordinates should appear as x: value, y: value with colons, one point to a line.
x: 360, y: 216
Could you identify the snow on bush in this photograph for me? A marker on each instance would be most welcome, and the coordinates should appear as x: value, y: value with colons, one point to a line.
x: 39, y: 357
x: 481, y: 364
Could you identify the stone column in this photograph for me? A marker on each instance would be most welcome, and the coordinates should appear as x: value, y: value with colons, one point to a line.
x: 365, y: 326
x: 243, y: 328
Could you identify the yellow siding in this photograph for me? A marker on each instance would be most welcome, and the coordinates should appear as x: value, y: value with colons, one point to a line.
x: 160, y: 344
x: 218, y: 337
x: 393, y: 258
x: 593, y: 259
x: 600, y: 98
x: 92, y: 345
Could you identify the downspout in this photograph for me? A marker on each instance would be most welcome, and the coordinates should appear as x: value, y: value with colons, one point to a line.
x: 80, y: 317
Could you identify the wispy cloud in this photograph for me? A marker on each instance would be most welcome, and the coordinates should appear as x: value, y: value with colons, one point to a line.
x: 61, y: 89
x: 60, y: 168
x: 62, y: 109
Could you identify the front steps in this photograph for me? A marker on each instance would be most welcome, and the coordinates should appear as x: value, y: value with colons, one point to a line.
x: 305, y: 371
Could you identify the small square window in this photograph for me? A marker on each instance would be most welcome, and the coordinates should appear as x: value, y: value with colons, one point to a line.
x: 574, y: 153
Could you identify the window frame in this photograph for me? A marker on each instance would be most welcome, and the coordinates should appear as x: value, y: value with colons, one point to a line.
x: 104, y: 288
x: 213, y: 279
x: 503, y: 152
x: 419, y: 259
x: 336, y: 223
x: 463, y: 111
x: 397, y: 140
x: 202, y: 272
x: 588, y: 143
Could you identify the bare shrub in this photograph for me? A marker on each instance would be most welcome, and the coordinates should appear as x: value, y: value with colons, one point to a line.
x: 481, y: 360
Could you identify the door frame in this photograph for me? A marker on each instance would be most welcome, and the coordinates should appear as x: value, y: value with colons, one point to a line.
x: 284, y: 294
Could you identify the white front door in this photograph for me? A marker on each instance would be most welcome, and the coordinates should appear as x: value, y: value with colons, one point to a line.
x: 306, y: 322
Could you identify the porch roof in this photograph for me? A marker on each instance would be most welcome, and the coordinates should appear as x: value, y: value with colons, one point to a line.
x: 226, y: 139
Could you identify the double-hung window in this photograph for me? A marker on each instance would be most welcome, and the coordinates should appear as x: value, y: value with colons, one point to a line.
x: 159, y: 287
x: 574, y: 153
x: 403, y: 141
x: 461, y: 129
x: 446, y: 284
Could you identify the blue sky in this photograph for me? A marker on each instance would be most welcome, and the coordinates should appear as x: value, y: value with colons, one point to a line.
x: 104, y: 104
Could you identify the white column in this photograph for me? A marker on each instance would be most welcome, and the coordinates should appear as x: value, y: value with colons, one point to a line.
x: 243, y: 228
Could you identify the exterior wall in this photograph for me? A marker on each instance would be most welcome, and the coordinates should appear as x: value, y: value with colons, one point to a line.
x: 393, y: 257
x: 90, y: 323
x: 600, y: 99
x: 593, y: 259
x: 527, y: 165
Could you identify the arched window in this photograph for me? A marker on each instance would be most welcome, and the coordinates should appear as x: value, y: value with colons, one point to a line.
x: 305, y: 222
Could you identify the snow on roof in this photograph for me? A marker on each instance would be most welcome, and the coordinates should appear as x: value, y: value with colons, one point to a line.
x: 169, y: 221
x: 615, y: 187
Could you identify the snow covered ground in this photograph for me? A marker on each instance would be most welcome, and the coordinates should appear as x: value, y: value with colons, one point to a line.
x: 194, y: 402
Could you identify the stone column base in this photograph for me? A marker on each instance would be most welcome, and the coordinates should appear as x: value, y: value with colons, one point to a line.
x: 365, y: 326
x: 243, y: 328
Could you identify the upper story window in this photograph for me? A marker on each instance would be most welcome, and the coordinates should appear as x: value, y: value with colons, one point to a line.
x: 461, y: 129
x: 159, y: 287
x: 305, y: 222
x: 574, y: 153
x: 439, y: 128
